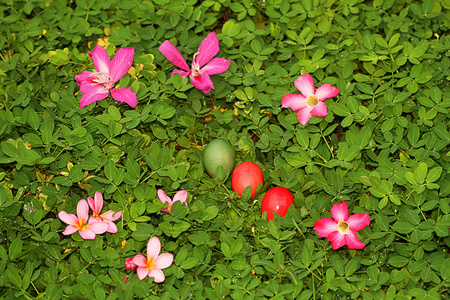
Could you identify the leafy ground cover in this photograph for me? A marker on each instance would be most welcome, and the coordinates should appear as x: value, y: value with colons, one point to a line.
x: 383, y: 148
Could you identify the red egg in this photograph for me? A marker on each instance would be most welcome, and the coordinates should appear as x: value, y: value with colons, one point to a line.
x: 277, y: 200
x: 246, y: 174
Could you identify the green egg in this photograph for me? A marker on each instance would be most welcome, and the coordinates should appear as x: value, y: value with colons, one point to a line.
x: 218, y: 153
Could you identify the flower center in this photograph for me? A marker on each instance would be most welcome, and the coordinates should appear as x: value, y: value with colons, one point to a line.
x: 342, y: 227
x: 82, y: 226
x: 195, y: 70
x: 150, y: 264
x: 311, y: 101
x: 103, y: 79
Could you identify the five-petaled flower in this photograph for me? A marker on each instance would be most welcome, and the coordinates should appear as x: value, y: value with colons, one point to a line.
x: 108, y: 217
x: 203, y: 64
x: 97, y: 85
x: 341, y: 230
x: 86, y: 229
x: 154, y: 263
x: 179, y: 196
x: 309, y: 103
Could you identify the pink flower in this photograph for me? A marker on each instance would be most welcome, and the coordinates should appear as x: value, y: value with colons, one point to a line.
x: 203, y: 64
x: 108, y: 217
x: 154, y: 263
x: 179, y: 196
x: 342, y: 230
x: 87, y: 230
x: 309, y: 103
x: 129, y: 265
x: 97, y: 85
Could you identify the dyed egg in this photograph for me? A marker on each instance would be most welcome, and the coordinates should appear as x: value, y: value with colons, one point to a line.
x: 246, y: 174
x: 218, y: 153
x: 277, y: 200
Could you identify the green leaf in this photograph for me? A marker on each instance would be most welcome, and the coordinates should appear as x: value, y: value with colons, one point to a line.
x: 398, y: 261
x: 434, y: 174
x: 189, y: 263
x: 307, y: 253
x: 420, y: 173
x: 210, y: 213
x: 413, y: 134
x: 403, y: 227
x: 180, y: 228
x: 14, y: 276
x: 15, y: 248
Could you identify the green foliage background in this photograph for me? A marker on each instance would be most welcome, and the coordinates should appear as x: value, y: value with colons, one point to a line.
x: 383, y: 148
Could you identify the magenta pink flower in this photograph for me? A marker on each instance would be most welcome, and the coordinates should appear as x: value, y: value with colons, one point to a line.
x: 129, y: 265
x: 108, y: 217
x: 97, y: 85
x: 154, y: 263
x: 342, y: 230
x: 203, y: 64
x: 309, y: 103
x: 179, y: 196
x: 87, y: 230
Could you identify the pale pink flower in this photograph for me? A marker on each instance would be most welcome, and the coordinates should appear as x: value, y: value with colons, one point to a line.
x: 129, y: 265
x: 203, y: 64
x: 108, y: 217
x: 179, y: 196
x: 309, y: 103
x: 97, y: 85
x: 154, y: 263
x: 341, y: 230
x: 86, y: 229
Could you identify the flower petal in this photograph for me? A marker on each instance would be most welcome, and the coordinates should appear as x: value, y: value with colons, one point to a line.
x: 164, y: 261
x: 71, y: 229
x: 305, y: 84
x: 216, y: 66
x: 67, y: 218
x: 173, y: 55
x: 85, y: 77
x: 153, y: 248
x: 101, y: 59
x: 121, y: 63
x: 87, y: 234
x: 111, y: 215
x: 202, y: 82
x: 293, y: 101
x: 209, y: 48
x: 182, y: 73
x: 157, y: 274
x: 337, y: 240
x: 303, y: 115
x: 163, y: 197
x: 92, y: 92
x: 326, y: 91
x: 83, y: 211
x: 112, y: 228
x: 98, y: 202
x: 357, y: 222
x: 98, y: 227
x: 125, y: 95
x: 320, y: 110
x: 180, y: 196
x: 140, y: 260
x: 339, y: 211
x: 141, y: 272
x: 352, y: 241
x: 325, y: 226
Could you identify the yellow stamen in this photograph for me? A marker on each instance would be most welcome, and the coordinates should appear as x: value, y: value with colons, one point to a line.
x: 150, y: 264
x: 311, y: 101
x: 342, y: 227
